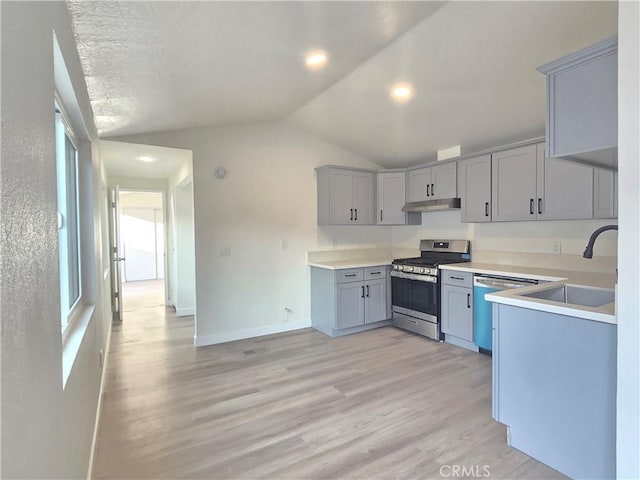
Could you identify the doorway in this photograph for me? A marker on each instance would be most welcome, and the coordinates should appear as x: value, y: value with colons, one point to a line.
x: 142, y: 244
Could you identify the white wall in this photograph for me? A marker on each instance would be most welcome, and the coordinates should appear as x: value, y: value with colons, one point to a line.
x: 185, y: 274
x: 46, y: 430
x: 268, y: 195
x: 628, y: 401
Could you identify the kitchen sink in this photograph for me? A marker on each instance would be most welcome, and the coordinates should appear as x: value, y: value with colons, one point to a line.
x: 575, y: 295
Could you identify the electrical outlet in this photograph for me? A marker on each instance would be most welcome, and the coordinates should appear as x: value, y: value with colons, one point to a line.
x: 224, y: 252
x: 556, y: 246
x: 283, y: 245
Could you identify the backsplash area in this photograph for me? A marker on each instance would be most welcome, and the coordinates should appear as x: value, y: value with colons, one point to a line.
x: 548, y: 244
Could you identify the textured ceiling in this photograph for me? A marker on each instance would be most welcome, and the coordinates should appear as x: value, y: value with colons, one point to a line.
x: 154, y: 66
x: 121, y: 160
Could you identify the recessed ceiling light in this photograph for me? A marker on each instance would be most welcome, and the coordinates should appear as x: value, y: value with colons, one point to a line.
x: 402, y: 92
x: 146, y: 159
x: 316, y: 59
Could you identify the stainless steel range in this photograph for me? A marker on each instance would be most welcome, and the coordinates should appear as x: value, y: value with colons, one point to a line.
x: 415, y: 285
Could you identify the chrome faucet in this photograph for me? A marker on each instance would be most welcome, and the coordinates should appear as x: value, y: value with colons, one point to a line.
x: 588, y: 252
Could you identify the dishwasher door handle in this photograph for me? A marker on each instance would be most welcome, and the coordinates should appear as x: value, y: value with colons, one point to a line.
x: 501, y: 284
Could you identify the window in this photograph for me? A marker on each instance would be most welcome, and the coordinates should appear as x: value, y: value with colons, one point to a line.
x: 68, y: 218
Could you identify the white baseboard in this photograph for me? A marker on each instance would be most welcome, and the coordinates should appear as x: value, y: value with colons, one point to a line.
x: 183, y: 312
x: 96, y: 425
x: 201, y: 341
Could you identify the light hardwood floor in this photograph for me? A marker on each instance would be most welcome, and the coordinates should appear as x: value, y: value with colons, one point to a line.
x: 300, y: 405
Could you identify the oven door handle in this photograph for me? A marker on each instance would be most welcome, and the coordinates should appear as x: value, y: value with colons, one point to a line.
x: 413, y: 276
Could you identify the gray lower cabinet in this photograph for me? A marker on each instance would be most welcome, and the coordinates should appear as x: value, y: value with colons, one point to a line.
x: 582, y: 102
x: 350, y: 300
x: 554, y: 386
x: 457, y: 312
x: 457, y: 308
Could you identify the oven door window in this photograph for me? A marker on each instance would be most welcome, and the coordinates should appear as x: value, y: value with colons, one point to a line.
x: 415, y: 295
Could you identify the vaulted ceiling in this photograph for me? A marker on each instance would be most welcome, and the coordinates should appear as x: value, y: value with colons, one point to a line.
x: 156, y: 66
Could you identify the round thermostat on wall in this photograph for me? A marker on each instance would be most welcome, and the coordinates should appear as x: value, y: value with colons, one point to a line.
x: 220, y: 172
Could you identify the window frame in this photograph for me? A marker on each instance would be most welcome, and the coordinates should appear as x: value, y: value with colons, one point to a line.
x: 69, y: 312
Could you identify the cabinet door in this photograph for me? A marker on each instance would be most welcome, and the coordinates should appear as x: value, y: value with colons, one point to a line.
x: 475, y: 189
x: 603, y: 193
x: 457, y: 312
x: 419, y: 180
x: 341, y: 197
x: 583, y: 107
x: 513, y: 182
x: 363, y: 198
x: 350, y: 304
x: 444, y: 181
x: 391, y: 199
x: 375, y: 305
x: 567, y: 189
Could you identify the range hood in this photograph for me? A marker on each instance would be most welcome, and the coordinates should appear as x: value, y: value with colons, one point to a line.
x: 432, y: 205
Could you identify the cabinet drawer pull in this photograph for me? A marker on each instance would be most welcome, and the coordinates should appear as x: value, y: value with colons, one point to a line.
x: 486, y: 209
x: 531, y: 206
x: 456, y: 278
x: 539, y: 206
x: 468, y: 300
x: 375, y: 273
x: 351, y: 275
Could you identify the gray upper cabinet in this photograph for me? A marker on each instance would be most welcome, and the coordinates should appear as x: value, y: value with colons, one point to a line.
x: 474, y: 186
x: 432, y: 183
x: 582, y: 103
x: 391, y: 198
x: 604, y: 193
x: 345, y: 197
x: 565, y: 189
x: 514, y: 184
x: 528, y: 186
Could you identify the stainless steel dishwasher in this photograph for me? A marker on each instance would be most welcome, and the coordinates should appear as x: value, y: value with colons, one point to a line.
x: 483, y: 310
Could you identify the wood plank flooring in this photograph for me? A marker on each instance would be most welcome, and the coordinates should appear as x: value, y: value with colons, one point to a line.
x: 300, y: 405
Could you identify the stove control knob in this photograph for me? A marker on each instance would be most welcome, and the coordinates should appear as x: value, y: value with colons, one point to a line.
x: 423, y: 270
x: 408, y: 269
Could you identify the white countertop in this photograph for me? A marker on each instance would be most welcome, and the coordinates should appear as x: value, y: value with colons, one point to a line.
x: 514, y: 297
x: 351, y: 263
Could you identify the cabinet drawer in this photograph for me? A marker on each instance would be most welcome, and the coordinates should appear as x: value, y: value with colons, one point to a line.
x: 461, y: 279
x: 373, y: 273
x: 349, y: 275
